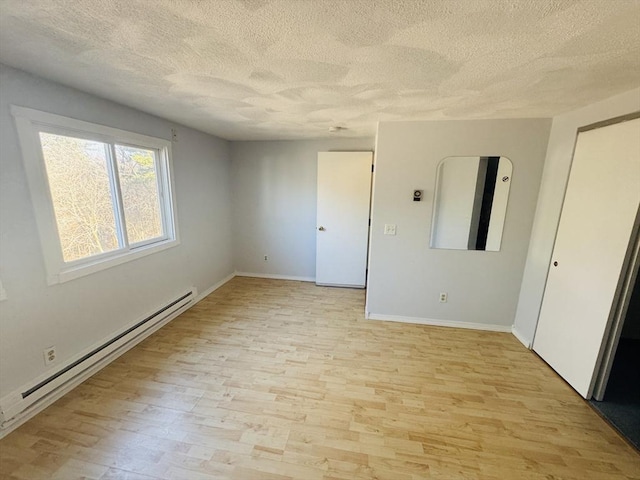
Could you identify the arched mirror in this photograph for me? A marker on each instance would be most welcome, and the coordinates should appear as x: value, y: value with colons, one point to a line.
x: 470, y: 203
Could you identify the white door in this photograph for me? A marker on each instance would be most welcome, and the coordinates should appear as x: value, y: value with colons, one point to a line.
x: 593, y: 238
x: 344, y: 192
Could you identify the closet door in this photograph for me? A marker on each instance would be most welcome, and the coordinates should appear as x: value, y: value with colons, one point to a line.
x: 598, y: 215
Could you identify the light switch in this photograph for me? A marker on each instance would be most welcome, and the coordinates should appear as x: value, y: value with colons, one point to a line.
x: 389, y: 229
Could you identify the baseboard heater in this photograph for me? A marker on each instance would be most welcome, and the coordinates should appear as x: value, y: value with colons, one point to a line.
x: 29, y: 400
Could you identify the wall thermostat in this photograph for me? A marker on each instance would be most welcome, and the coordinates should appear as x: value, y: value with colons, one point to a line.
x: 417, y: 195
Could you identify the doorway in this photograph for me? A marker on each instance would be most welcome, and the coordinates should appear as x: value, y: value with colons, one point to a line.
x: 621, y: 402
x: 344, y: 199
x: 596, y: 229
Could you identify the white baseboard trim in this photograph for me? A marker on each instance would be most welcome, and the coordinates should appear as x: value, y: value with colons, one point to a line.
x: 36, y: 408
x: 276, y: 277
x: 523, y: 340
x: 341, y: 285
x: 438, y: 323
x: 216, y: 286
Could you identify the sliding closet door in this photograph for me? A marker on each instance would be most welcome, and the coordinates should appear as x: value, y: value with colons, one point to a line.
x: 593, y: 237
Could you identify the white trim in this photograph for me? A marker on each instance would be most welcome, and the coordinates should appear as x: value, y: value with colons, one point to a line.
x: 374, y: 168
x: 340, y: 285
x: 77, y: 271
x: 40, y: 198
x: 216, y: 286
x: 28, y: 123
x: 439, y: 323
x: 521, y: 338
x: 276, y: 277
x: 130, y: 138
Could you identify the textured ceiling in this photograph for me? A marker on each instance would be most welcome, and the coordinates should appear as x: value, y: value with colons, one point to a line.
x: 274, y: 69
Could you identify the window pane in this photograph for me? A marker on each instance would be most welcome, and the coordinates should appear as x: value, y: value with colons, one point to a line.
x: 140, y: 196
x: 81, y: 194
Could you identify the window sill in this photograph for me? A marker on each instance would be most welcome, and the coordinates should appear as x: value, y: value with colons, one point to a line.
x: 68, y: 273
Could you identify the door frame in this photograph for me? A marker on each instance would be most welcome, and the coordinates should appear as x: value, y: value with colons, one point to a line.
x: 370, y: 168
x: 628, y: 275
x: 620, y: 307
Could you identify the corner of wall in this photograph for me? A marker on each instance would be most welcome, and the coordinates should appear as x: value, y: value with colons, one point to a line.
x: 521, y: 338
x: 557, y: 166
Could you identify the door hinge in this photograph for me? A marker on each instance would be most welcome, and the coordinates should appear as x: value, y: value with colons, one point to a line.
x: 373, y: 168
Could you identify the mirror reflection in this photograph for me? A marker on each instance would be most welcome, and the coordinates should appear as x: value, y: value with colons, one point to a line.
x: 470, y: 203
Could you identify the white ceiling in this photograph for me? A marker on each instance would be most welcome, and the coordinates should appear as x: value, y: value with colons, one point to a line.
x: 284, y: 69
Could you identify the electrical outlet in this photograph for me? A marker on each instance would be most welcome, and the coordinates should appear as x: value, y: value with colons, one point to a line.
x: 443, y: 297
x: 266, y: 258
x: 49, y: 355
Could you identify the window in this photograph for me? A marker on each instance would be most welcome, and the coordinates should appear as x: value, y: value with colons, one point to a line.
x: 102, y: 196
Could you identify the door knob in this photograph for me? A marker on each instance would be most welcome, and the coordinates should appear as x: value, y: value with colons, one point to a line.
x: 555, y: 264
x: 321, y: 228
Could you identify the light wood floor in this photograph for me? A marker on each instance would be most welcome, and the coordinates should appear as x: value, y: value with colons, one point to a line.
x: 277, y: 380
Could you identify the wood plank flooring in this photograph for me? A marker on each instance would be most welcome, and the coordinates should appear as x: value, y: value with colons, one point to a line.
x: 279, y: 380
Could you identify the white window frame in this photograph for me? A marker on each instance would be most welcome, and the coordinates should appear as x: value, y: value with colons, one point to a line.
x: 29, y: 124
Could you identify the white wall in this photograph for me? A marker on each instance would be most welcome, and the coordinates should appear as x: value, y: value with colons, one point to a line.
x: 274, y: 203
x: 76, y: 314
x: 405, y: 275
x: 554, y: 181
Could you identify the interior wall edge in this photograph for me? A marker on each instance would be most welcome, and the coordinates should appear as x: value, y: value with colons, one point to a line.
x: 555, y: 175
x: 521, y: 338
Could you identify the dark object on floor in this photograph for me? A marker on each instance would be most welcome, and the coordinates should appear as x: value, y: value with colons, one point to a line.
x: 621, y: 404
